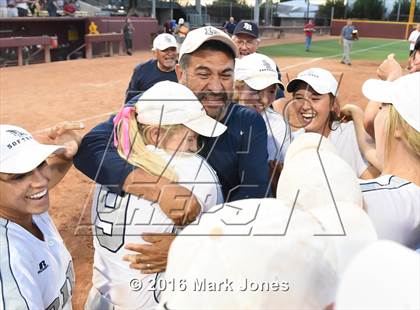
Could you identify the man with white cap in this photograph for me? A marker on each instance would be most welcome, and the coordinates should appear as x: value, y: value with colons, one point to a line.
x: 36, y: 268
x: 239, y: 155
x: 161, y: 68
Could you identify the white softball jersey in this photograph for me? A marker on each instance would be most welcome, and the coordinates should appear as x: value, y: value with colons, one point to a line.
x: 34, y: 274
x: 119, y: 220
x: 278, y: 134
x: 393, y: 205
x: 343, y: 137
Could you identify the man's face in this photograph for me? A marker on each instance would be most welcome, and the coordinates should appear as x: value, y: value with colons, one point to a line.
x: 166, y: 58
x: 349, y: 22
x: 246, y: 44
x: 231, y: 20
x: 209, y: 75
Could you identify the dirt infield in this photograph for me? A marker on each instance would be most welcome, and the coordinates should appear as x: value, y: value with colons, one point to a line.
x: 38, y: 96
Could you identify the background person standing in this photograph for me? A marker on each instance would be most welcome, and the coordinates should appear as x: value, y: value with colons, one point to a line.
x: 229, y: 26
x: 309, y: 29
x: 128, y: 36
x: 346, y: 41
x: 413, y: 38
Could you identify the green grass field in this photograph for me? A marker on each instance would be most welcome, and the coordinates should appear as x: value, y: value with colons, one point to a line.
x: 365, y: 49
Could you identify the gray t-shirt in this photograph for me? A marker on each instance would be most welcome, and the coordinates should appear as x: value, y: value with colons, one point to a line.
x: 347, y: 31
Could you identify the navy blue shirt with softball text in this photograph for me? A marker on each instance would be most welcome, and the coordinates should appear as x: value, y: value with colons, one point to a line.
x: 239, y: 156
x: 146, y: 75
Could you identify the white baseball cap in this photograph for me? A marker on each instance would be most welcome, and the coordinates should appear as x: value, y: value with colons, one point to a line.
x: 403, y: 94
x: 385, y: 275
x: 197, y: 37
x: 349, y: 227
x: 319, y: 174
x: 170, y: 103
x: 164, y: 41
x: 20, y: 152
x: 257, y: 71
x: 212, y: 253
x: 321, y: 80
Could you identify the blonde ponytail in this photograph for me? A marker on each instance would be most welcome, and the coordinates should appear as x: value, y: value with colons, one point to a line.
x: 139, y: 155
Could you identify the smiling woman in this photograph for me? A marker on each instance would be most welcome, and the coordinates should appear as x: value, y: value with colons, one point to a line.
x: 315, y: 104
x: 36, y: 268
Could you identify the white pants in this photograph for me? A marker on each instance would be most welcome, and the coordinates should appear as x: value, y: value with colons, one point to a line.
x: 347, y: 44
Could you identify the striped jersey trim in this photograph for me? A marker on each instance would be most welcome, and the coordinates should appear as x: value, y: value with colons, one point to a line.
x: 392, y: 183
x: 12, y: 297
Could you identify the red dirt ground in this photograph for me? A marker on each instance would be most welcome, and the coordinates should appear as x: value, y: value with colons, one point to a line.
x: 38, y: 96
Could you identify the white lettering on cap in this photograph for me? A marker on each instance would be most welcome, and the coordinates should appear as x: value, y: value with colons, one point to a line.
x: 208, y: 31
x: 311, y: 74
x: 248, y: 26
x: 21, y: 135
x: 267, y: 66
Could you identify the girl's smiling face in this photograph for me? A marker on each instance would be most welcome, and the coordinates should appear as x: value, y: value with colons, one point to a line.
x: 313, y: 109
x: 24, y: 195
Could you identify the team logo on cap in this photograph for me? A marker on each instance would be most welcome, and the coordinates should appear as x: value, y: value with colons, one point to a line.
x: 248, y: 26
x: 21, y: 137
x: 17, y: 133
x: 267, y: 66
x: 168, y: 39
x: 310, y: 73
x: 209, y: 31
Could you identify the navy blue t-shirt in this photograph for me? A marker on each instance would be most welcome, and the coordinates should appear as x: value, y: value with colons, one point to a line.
x: 146, y: 75
x: 239, y: 156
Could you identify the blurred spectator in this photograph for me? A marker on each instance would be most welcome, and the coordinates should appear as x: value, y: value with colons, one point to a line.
x: 93, y: 28
x: 128, y: 35
x: 309, y: 29
x: 413, y: 38
x: 22, y: 8
x: 11, y: 9
x: 230, y: 25
x: 172, y: 24
x: 69, y: 8
x: 3, y: 8
x: 34, y: 7
x: 181, y: 31
x: 347, y: 36
x: 52, y: 7
x: 167, y: 27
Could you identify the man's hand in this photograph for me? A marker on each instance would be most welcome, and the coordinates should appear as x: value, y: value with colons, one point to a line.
x: 177, y: 202
x: 153, y: 257
x: 390, y: 69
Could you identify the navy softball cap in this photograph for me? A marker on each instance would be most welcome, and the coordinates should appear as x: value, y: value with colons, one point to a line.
x: 247, y: 27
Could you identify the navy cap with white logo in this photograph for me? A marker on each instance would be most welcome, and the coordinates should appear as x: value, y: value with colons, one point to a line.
x: 247, y: 27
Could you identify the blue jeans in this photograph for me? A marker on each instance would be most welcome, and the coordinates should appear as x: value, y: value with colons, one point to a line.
x: 308, y: 42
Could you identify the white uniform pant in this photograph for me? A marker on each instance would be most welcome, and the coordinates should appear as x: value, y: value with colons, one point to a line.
x: 347, y: 44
